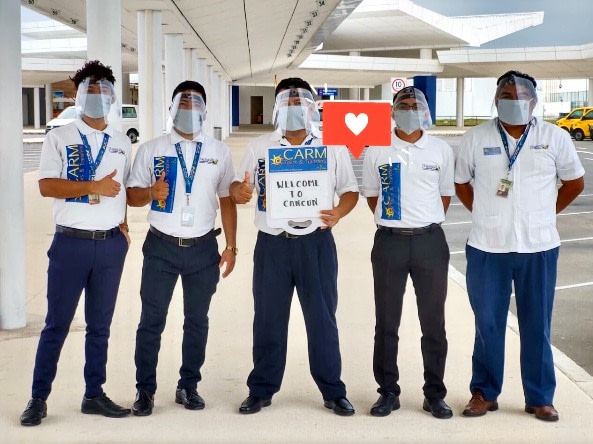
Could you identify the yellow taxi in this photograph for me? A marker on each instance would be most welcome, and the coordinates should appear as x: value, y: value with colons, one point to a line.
x: 581, y: 128
x: 566, y: 122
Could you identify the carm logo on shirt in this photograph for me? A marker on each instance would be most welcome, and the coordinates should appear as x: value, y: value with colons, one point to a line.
x: 209, y: 160
x: 298, y: 159
x: 390, y: 178
x: 261, y: 181
x: 539, y: 147
x: 168, y: 165
x: 431, y: 167
x: 77, y: 168
x: 492, y: 151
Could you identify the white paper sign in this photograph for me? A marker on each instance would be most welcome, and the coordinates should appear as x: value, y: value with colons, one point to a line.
x: 298, y: 187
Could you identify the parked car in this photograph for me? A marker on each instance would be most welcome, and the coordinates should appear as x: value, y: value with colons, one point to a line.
x: 582, y: 128
x: 566, y: 122
x: 129, y: 119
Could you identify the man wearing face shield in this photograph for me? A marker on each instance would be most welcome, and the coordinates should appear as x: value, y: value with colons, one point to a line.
x: 184, y: 175
x: 506, y: 175
x: 83, y: 165
x: 283, y: 261
x: 408, y: 187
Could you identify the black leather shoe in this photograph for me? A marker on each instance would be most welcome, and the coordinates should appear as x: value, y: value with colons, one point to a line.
x: 36, y: 409
x: 386, y: 403
x: 341, y: 406
x: 143, y: 403
x: 438, y: 407
x: 253, y: 404
x: 190, y: 399
x: 102, y: 405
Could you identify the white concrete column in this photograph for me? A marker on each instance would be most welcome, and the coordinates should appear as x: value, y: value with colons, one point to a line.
x: 12, y: 236
x: 125, y: 88
x: 367, y: 94
x: 227, y: 114
x: 211, y: 97
x: 590, y: 95
x: 150, y: 99
x: 386, y: 93
x: 201, y: 74
x: 459, y: 107
x: 188, y: 65
x: 173, y: 63
x: 36, y: 108
x: 49, y: 105
x: 102, y: 15
x: 223, y: 106
x: 426, y: 53
x: 354, y: 93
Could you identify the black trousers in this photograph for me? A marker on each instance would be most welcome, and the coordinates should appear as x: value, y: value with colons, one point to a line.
x: 425, y: 257
x: 310, y: 264
x: 164, y: 262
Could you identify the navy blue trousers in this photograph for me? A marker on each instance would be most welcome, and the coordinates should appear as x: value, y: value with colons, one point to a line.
x: 489, y: 277
x: 164, y: 262
x: 75, y: 265
x: 310, y: 264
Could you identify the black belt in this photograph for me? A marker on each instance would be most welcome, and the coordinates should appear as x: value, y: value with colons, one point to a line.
x: 410, y: 231
x: 184, y: 241
x: 288, y: 235
x: 87, y: 234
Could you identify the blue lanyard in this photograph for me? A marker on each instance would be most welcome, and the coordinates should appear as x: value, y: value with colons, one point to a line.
x: 505, y: 142
x: 94, y: 164
x: 189, y: 178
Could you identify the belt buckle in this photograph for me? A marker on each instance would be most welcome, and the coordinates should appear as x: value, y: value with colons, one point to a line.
x: 99, y: 235
x: 409, y: 232
x: 181, y: 244
x: 288, y: 235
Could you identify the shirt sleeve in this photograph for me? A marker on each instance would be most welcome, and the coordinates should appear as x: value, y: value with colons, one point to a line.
x: 51, y: 163
x: 446, y: 179
x: 465, y: 164
x: 247, y: 164
x: 140, y: 176
x: 370, y: 178
x: 345, y: 178
x: 568, y: 164
x: 128, y: 166
x: 227, y: 174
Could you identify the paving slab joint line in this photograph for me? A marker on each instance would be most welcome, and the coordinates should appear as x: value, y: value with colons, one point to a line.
x: 571, y: 369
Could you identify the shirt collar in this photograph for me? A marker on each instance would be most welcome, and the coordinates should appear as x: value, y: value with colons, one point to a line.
x: 86, y: 130
x: 175, y: 137
x: 276, y: 136
x: 399, y: 143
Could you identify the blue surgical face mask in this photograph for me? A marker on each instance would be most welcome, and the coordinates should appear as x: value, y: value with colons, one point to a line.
x: 188, y: 121
x: 291, y: 118
x: 409, y: 120
x: 97, y: 105
x: 514, y: 112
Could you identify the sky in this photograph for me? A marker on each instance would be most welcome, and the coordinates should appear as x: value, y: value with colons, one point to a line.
x: 27, y: 15
x: 566, y: 22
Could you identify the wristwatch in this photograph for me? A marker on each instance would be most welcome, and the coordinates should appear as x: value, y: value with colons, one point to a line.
x: 235, y: 250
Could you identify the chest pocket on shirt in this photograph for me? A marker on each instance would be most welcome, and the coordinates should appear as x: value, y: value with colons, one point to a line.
x: 542, y: 160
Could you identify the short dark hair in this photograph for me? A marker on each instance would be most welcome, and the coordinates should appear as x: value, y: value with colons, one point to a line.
x: 189, y: 84
x: 93, y: 68
x: 293, y: 82
x: 512, y: 73
x: 409, y: 90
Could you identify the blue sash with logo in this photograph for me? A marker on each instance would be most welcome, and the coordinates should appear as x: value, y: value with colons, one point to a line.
x: 169, y: 166
x: 390, y: 179
x: 77, y: 168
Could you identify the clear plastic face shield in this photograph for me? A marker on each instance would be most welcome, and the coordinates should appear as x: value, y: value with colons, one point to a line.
x: 515, y: 100
x: 295, y: 110
x: 187, y: 113
x: 96, y: 99
x: 410, y: 110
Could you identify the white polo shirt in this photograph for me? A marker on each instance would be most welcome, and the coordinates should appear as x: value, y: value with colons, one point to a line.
x: 410, y: 179
x: 343, y: 180
x: 525, y: 221
x: 213, y: 177
x: 61, y: 158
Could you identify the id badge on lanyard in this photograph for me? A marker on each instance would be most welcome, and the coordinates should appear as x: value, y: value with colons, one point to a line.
x: 94, y: 198
x: 505, y: 184
x: 188, y: 212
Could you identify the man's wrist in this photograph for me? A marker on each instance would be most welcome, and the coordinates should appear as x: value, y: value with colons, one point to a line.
x: 235, y: 250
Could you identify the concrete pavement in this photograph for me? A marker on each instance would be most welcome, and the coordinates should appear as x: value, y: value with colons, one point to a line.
x: 297, y: 413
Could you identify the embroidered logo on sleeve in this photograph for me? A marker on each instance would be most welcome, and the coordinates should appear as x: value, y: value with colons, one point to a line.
x: 492, y: 151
